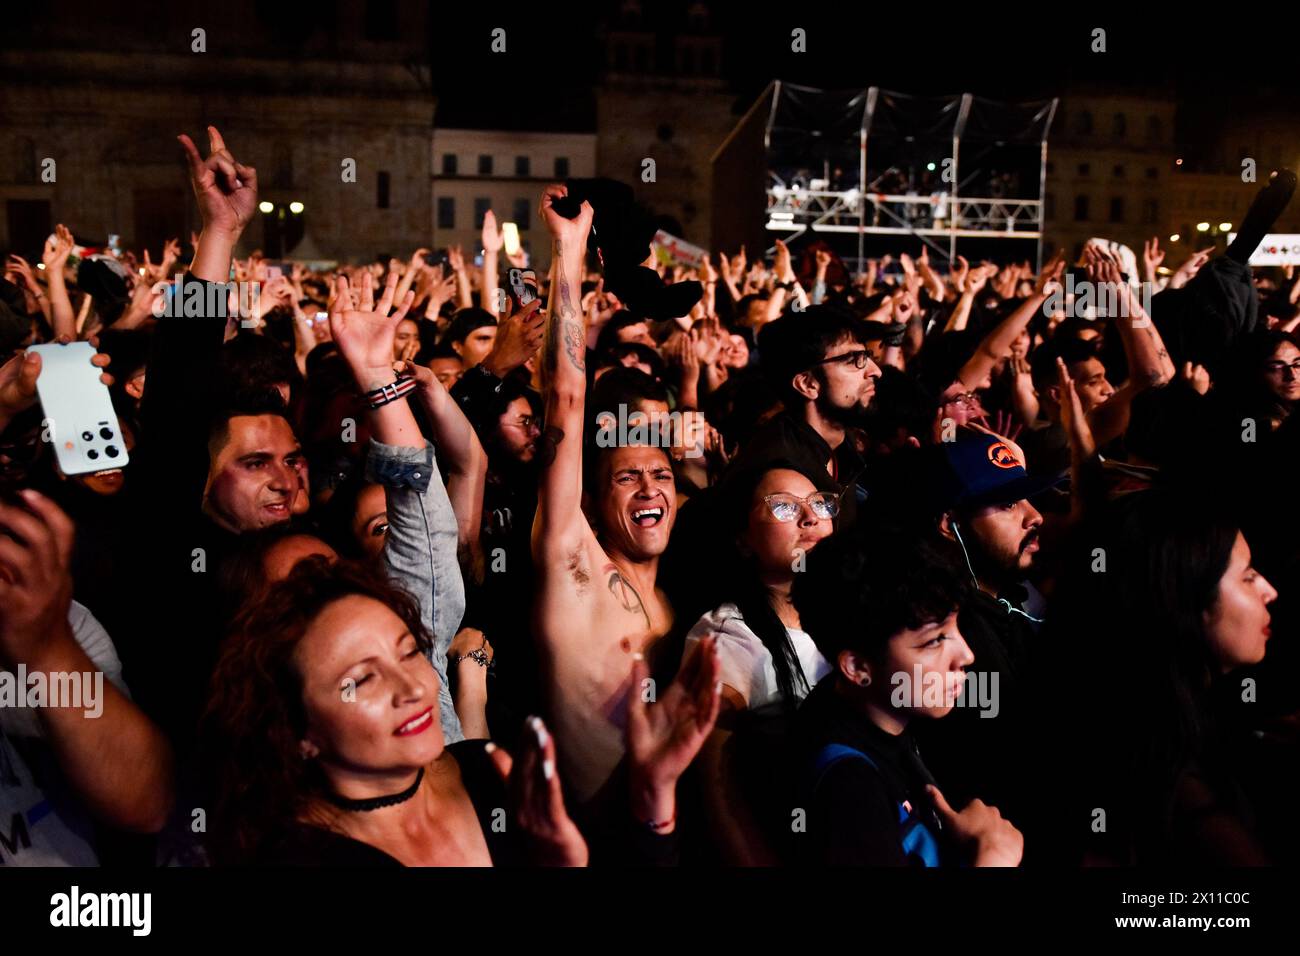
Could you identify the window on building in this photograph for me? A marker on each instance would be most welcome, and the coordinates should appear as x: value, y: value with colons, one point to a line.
x: 1153, y: 173
x: 1150, y: 211
x: 382, y: 183
x: 521, y: 166
x: 1119, y: 126
x: 707, y: 65
x: 1083, y: 123
x: 1118, y: 172
x: 485, y: 165
x: 561, y: 167
x: 1049, y: 206
x: 1085, y: 169
x: 620, y: 57
x: 1080, y: 208
x: 1117, y: 209
x: 519, y: 215
x: 446, y: 212
x: 481, y: 206
x: 1155, y: 129
x: 449, y: 165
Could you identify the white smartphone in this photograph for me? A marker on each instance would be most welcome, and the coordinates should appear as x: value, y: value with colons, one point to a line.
x: 79, y: 414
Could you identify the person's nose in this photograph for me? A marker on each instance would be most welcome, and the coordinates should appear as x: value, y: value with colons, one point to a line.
x: 1266, y: 590
x: 284, y: 478
x: 872, y: 370
x: 406, y: 689
x: 1033, y: 517
x: 963, y: 656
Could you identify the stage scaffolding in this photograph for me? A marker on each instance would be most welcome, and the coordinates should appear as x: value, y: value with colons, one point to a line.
x: 879, y: 163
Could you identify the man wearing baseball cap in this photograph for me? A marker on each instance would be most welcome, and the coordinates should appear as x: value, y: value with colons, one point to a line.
x: 977, y: 496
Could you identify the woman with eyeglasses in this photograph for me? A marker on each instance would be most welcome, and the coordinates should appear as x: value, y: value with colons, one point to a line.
x: 768, y: 663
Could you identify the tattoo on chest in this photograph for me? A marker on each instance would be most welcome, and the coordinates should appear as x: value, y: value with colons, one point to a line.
x: 626, y: 594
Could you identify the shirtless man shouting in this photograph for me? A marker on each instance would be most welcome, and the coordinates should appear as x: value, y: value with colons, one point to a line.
x: 596, y: 542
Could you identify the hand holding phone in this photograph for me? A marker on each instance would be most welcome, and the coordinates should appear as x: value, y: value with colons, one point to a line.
x: 79, y: 414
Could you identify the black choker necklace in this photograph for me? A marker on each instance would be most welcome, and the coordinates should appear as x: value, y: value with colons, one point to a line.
x: 375, y: 803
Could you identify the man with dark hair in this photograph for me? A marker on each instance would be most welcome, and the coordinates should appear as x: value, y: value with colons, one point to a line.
x: 596, y: 545
x: 624, y: 326
x: 826, y: 378
x: 974, y: 494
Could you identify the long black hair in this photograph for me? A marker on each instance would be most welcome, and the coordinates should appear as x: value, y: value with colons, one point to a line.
x: 744, y: 588
x: 1134, y: 664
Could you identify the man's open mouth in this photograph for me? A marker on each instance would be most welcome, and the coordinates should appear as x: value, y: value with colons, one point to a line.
x: 647, y: 517
x: 106, y: 473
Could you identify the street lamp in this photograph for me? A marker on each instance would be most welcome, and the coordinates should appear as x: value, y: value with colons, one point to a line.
x: 1175, y: 237
x: 1225, y: 227
x: 1202, y: 227
x: 296, y: 208
x: 266, y: 207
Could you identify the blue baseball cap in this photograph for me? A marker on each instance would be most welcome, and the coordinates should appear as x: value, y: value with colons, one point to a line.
x: 980, y: 470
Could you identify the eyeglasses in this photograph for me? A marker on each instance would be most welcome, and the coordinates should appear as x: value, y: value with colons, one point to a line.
x: 969, y: 399
x: 786, y: 507
x: 1277, y: 368
x: 526, y: 422
x: 858, y: 359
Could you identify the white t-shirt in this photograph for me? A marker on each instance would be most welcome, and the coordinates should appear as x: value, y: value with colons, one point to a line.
x: 746, y: 664
x: 42, y: 823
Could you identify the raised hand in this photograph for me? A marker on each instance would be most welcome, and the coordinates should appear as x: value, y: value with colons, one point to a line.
x: 57, y: 249
x: 1187, y: 271
x: 493, y: 237
x: 519, y: 337
x: 569, y: 234
x: 1152, y: 256
x: 365, y: 334
x: 663, y: 737
x: 534, y: 787
x: 1051, y: 272
x: 781, y: 266
x: 226, y: 189
x: 1073, y: 420
x: 456, y: 258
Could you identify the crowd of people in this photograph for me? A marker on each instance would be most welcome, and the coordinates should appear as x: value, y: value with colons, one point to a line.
x: 628, y: 563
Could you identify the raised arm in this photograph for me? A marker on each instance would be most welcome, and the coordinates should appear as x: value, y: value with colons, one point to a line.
x: 998, y: 342
x: 560, y: 521
x: 55, y: 255
x: 493, y: 240
x: 420, y: 551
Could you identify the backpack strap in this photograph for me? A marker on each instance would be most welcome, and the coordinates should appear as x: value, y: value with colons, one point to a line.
x: 917, y: 839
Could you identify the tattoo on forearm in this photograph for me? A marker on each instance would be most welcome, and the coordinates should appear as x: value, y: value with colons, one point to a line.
x: 575, y: 346
x: 626, y: 594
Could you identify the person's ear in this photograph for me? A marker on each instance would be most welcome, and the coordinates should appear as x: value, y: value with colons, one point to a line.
x: 854, y: 668
x: 806, y: 384
x: 134, y: 389
x: 1054, y: 393
x: 308, y: 750
x: 458, y: 348
x: 947, y: 526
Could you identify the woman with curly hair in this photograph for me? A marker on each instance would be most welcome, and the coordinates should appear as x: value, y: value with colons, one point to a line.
x: 324, y: 739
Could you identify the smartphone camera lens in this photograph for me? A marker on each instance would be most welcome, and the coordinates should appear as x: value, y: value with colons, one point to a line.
x: 87, y: 436
x: 106, y: 433
x: 92, y: 454
x: 111, y: 451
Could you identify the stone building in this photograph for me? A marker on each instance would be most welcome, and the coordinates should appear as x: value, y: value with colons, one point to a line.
x: 296, y: 96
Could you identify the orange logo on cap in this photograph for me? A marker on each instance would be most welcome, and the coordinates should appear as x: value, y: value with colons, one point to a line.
x: 1002, y: 456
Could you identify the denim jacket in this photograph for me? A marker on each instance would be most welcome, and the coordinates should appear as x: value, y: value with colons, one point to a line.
x: 420, y: 551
